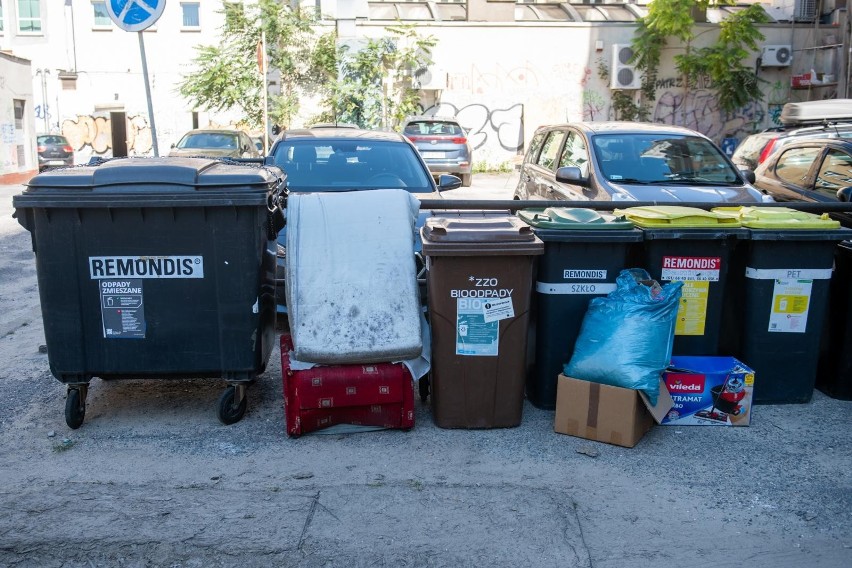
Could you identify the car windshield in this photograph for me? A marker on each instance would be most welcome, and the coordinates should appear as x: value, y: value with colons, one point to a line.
x: 343, y: 165
x: 209, y: 140
x: 662, y: 159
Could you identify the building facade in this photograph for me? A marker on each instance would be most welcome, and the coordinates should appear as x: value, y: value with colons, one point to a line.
x: 18, y: 160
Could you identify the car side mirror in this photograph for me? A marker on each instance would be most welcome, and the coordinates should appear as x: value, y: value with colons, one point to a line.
x: 844, y: 194
x: 572, y: 175
x: 447, y: 182
x: 173, y: 144
x: 748, y: 175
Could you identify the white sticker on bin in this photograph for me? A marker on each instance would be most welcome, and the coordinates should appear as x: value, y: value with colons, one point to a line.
x: 496, y: 310
x: 788, y: 273
x: 575, y: 287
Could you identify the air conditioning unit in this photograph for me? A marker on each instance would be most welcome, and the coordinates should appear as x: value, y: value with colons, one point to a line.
x: 804, y: 10
x: 430, y: 78
x: 776, y: 56
x: 623, y: 75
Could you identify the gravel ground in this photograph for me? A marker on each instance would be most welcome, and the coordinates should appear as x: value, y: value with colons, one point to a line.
x: 153, y: 479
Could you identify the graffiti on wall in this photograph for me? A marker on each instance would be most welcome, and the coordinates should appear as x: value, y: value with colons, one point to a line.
x: 699, y: 110
x: 594, y: 105
x: 93, y: 134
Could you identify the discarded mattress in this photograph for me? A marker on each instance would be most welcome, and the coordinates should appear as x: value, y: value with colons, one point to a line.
x: 351, y: 280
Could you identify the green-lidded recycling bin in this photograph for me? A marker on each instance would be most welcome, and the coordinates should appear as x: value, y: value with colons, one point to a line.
x: 479, y: 281
x: 834, y: 372
x: 789, y: 259
x: 584, y: 251
x: 695, y: 247
x: 156, y: 268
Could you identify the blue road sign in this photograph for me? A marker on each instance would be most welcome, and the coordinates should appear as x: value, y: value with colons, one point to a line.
x: 135, y: 15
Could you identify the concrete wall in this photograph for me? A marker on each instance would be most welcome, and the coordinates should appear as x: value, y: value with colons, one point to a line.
x: 17, y: 138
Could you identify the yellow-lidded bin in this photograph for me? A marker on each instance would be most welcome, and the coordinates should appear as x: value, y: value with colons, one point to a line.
x: 788, y: 262
x: 695, y: 247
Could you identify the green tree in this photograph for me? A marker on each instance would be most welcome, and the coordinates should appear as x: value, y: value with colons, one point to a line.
x: 722, y: 62
x: 376, y: 86
x: 226, y: 76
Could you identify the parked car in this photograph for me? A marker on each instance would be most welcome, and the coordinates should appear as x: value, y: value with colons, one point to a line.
x: 351, y: 159
x: 810, y: 170
x: 629, y: 161
x: 54, y: 151
x: 811, y: 119
x: 258, y: 143
x: 443, y: 144
x: 333, y: 125
x: 216, y: 143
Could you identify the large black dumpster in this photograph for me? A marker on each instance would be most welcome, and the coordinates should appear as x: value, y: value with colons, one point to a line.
x: 834, y: 376
x: 156, y: 268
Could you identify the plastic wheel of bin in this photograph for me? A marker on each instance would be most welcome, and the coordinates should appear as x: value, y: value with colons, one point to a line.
x: 75, y: 409
x: 228, y: 412
x: 423, y: 385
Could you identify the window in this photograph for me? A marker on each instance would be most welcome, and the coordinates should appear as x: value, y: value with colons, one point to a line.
x: 19, y: 113
x: 549, y: 152
x: 794, y: 165
x: 835, y: 173
x: 575, y: 153
x: 101, y: 16
x: 190, y: 15
x: 29, y: 17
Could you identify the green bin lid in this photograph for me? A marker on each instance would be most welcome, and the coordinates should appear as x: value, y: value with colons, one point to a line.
x: 779, y: 218
x: 677, y: 217
x: 572, y: 218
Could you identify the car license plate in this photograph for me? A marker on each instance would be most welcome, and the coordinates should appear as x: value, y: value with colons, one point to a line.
x: 55, y: 163
x: 434, y: 154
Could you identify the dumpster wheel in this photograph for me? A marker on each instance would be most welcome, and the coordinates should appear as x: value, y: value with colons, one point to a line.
x: 75, y: 406
x: 232, y: 404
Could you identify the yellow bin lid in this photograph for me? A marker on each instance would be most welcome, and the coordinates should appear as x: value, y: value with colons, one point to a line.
x: 677, y: 217
x: 779, y: 218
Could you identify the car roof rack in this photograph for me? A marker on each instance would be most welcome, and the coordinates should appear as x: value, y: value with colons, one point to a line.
x: 816, y: 112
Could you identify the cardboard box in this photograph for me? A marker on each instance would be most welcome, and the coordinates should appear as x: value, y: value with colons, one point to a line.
x: 709, y: 391
x: 604, y: 413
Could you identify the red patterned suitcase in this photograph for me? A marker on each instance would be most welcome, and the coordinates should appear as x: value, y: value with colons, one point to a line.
x: 376, y: 394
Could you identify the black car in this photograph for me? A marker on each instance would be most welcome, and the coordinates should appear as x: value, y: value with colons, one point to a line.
x: 629, y: 161
x: 332, y: 159
x: 54, y: 151
x: 814, y: 170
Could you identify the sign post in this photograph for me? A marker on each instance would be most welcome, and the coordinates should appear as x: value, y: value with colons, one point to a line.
x: 136, y: 16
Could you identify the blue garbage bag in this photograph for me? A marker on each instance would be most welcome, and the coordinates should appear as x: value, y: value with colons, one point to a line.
x: 626, y: 337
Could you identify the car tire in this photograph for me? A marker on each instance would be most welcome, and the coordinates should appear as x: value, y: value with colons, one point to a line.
x: 467, y: 179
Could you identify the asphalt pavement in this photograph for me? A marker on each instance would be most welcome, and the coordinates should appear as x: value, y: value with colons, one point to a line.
x: 153, y: 479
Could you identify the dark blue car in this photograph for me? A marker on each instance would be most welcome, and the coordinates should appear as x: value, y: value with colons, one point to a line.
x: 351, y: 159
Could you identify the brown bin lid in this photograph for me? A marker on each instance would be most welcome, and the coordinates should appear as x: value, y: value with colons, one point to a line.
x: 506, y: 235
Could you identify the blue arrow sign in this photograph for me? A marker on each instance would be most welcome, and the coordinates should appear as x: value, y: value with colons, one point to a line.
x: 135, y: 15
